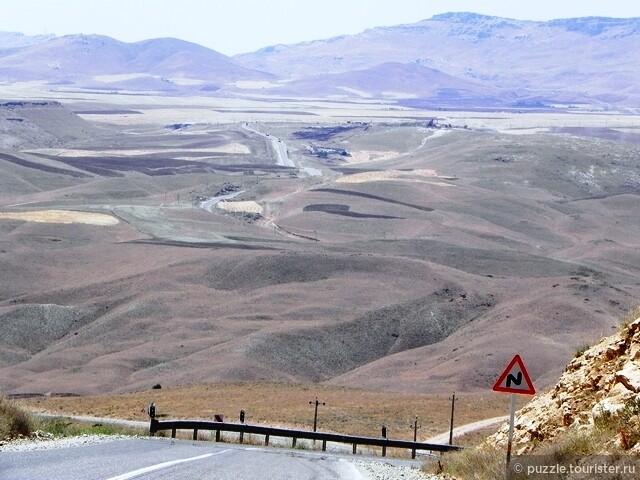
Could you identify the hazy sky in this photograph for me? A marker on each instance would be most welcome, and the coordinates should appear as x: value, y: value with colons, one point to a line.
x: 236, y: 26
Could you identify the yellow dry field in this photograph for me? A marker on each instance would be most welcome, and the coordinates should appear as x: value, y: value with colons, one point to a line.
x: 241, y: 207
x: 234, y: 148
x: 413, y: 175
x: 349, y: 411
x: 362, y: 156
x: 62, y: 216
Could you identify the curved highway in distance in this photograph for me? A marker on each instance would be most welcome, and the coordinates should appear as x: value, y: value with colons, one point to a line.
x: 166, y: 459
x: 282, y: 157
x: 210, y: 204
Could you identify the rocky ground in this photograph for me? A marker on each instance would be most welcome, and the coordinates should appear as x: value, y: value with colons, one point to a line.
x: 600, y: 385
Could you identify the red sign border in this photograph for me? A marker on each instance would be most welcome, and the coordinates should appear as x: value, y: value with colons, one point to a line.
x: 498, y: 385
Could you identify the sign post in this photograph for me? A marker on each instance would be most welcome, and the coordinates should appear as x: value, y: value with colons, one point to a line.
x: 514, y: 380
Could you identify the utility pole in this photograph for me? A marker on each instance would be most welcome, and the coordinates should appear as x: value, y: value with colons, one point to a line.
x: 453, y: 403
x: 315, y: 413
x: 415, y: 436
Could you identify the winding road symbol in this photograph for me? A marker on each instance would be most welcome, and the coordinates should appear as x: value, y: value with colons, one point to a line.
x: 515, y: 379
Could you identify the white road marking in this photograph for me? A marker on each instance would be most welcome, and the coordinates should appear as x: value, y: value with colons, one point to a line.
x: 160, y: 466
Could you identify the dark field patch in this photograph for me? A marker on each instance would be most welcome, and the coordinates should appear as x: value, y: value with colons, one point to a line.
x: 322, y: 133
x: 373, y: 197
x: 275, y: 112
x: 39, y: 166
x: 344, y: 210
x: 107, y: 112
x: 153, y: 165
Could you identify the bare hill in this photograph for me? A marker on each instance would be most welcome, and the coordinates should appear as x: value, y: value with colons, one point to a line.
x: 528, y: 58
x: 422, y: 270
x: 395, y: 80
x: 100, y: 61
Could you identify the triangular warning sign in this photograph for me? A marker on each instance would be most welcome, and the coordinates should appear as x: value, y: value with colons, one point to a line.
x: 515, y: 379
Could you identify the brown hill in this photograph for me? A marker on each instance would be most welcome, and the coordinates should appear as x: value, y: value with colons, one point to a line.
x: 422, y: 271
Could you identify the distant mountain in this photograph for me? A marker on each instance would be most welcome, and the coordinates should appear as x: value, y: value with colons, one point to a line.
x: 454, y: 59
x: 393, y: 80
x: 16, y: 39
x: 93, y: 60
x: 568, y: 59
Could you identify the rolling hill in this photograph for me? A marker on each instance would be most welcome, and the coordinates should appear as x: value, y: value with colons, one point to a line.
x: 99, y: 61
x: 559, y: 61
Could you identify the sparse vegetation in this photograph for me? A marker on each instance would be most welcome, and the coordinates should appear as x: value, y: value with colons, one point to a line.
x: 351, y: 411
x: 581, y: 350
x: 478, y: 464
x: 630, y: 317
x: 66, y: 427
x: 14, y: 421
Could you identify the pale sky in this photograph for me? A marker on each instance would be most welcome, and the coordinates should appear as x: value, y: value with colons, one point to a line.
x: 237, y: 26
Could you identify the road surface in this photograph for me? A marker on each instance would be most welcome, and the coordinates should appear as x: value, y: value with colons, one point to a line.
x: 210, y: 204
x: 166, y: 459
x: 279, y: 147
x: 443, y: 438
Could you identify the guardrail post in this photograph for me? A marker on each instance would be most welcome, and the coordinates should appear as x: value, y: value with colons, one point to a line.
x: 355, y: 446
x: 241, y: 437
x: 153, y: 427
x: 384, y: 435
x: 293, y: 442
x: 195, y: 434
x: 266, y: 439
x: 324, y: 445
x: 173, y: 433
x: 217, y: 435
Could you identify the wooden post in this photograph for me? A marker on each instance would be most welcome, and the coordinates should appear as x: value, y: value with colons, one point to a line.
x: 173, y: 433
x: 453, y: 404
x: 266, y: 440
x: 355, y: 446
x: 384, y: 450
x: 241, y: 437
x: 195, y: 434
x: 217, y: 435
x: 293, y: 442
x: 324, y: 445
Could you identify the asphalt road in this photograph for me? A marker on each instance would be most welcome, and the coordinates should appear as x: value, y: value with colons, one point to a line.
x: 210, y: 204
x: 279, y: 147
x: 167, y: 459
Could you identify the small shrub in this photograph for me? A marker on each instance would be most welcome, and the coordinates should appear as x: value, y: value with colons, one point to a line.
x: 580, y: 351
x: 632, y: 315
x: 157, y: 386
x: 14, y: 422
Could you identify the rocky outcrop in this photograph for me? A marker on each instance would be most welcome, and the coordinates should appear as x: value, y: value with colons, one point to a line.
x: 599, y: 387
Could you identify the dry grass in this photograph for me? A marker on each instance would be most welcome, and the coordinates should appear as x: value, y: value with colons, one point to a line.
x: 614, y: 435
x: 476, y: 464
x: 352, y: 411
x: 14, y: 421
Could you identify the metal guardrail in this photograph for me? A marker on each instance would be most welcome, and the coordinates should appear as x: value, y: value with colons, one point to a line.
x: 243, y: 428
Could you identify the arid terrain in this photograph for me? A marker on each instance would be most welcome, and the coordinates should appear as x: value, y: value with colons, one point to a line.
x: 168, y: 240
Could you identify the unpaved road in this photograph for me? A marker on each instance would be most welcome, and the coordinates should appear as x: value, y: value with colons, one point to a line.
x: 468, y: 428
